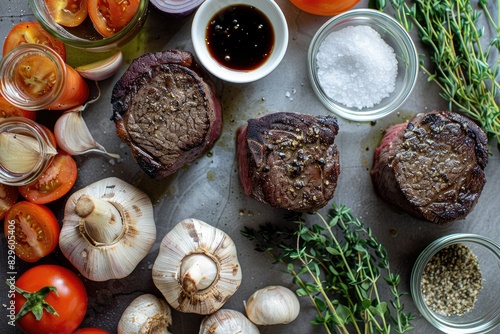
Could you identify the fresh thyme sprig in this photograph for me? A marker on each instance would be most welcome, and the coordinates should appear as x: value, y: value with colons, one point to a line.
x: 462, y: 62
x: 340, y: 276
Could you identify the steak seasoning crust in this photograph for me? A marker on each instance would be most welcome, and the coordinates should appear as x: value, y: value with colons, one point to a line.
x: 289, y: 160
x: 166, y: 110
x: 433, y: 166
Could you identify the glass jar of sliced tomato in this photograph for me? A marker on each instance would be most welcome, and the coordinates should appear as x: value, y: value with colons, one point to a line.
x: 91, y: 25
x: 19, y: 169
x: 324, y: 7
x: 35, y: 77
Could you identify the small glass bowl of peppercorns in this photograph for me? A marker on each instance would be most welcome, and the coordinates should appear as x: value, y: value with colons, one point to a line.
x: 455, y: 283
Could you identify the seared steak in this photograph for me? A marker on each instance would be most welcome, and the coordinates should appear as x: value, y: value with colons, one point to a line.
x: 289, y: 160
x: 166, y: 110
x: 433, y: 166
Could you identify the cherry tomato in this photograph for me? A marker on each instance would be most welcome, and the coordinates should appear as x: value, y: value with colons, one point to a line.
x: 54, y: 182
x: 68, y: 297
x: 8, y: 196
x: 32, y: 32
x: 110, y: 16
x: 90, y: 331
x: 35, y: 228
x: 8, y: 110
x: 69, y: 13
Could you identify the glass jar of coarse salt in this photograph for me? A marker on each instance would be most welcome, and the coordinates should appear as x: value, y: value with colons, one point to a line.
x: 362, y: 64
x: 356, y: 67
x: 26, y: 150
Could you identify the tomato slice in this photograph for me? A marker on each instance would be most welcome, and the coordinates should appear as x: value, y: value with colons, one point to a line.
x: 35, y: 229
x: 54, y: 182
x: 110, y: 16
x: 34, y: 33
x: 69, y: 13
x: 9, y: 110
x: 8, y: 196
x: 36, y: 75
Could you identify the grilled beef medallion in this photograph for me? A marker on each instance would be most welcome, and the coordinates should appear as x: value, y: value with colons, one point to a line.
x: 289, y: 160
x: 433, y: 166
x: 166, y: 110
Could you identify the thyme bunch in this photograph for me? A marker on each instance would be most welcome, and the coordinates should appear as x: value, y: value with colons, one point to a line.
x: 464, y: 65
x: 340, y: 276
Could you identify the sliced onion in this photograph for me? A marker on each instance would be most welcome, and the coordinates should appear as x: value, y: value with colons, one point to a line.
x: 177, y: 8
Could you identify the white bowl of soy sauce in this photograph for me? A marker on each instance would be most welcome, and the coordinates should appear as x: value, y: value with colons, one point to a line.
x: 239, y: 41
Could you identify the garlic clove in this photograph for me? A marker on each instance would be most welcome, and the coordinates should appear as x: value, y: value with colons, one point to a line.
x: 226, y: 321
x: 101, y: 69
x: 145, y: 314
x: 73, y: 135
x: 110, y: 254
x: 197, y: 268
x: 20, y: 153
x: 272, y: 305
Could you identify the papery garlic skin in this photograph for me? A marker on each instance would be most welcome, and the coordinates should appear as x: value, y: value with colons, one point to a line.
x: 146, y: 314
x: 184, y: 269
x: 104, y: 255
x: 272, y: 305
x: 226, y: 321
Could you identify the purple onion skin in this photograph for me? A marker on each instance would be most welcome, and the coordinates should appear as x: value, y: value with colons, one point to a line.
x: 163, y: 7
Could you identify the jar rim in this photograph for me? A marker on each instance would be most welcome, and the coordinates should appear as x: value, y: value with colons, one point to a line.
x: 30, y: 127
x: 13, y: 93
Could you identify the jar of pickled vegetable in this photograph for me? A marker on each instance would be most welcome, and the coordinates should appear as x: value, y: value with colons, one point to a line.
x: 325, y: 7
x: 26, y: 150
x: 35, y: 77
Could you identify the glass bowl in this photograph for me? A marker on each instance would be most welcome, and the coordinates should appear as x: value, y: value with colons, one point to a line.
x: 206, y: 13
x: 485, y: 314
x: 85, y: 36
x: 394, y: 36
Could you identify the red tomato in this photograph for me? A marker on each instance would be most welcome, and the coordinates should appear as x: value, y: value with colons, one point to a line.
x: 70, y: 301
x: 54, y: 182
x: 32, y: 32
x: 8, y: 196
x: 69, y: 13
x: 8, y: 110
x: 36, y: 75
x: 90, y: 331
x: 35, y: 228
x: 110, y: 16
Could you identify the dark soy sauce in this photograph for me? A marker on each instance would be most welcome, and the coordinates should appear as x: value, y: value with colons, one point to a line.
x: 240, y: 37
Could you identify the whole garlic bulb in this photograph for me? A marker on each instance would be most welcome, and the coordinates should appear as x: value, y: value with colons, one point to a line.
x: 272, y: 305
x: 226, y: 321
x: 197, y: 268
x: 147, y: 314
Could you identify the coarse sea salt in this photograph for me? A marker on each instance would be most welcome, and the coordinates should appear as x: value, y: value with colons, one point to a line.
x: 356, y: 67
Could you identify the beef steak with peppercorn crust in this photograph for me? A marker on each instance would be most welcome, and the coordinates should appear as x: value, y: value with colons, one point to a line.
x: 165, y: 108
x: 289, y: 160
x: 432, y: 166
